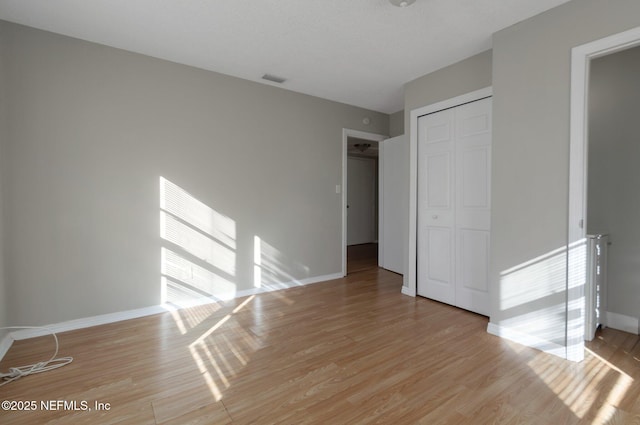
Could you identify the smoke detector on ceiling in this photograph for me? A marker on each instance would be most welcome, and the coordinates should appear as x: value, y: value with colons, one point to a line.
x: 274, y: 78
x: 402, y: 3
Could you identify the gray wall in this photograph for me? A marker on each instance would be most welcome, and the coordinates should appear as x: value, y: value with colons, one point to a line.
x: 92, y: 130
x: 531, y: 82
x: 396, y: 124
x: 462, y: 77
x: 614, y: 175
x: 4, y: 304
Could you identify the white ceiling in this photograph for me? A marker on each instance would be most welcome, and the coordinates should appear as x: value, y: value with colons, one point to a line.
x: 358, y: 52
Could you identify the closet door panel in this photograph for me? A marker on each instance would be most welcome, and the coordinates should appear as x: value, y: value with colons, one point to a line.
x: 454, y: 205
x: 435, y: 207
x: 473, y: 205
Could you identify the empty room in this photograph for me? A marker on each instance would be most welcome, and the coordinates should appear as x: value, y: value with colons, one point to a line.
x: 319, y: 212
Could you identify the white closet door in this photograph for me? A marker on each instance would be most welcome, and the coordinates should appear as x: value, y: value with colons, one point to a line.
x: 473, y: 205
x: 454, y: 201
x: 435, y: 207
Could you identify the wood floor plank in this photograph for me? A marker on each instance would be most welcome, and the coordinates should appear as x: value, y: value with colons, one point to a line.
x: 347, y: 351
x: 362, y: 257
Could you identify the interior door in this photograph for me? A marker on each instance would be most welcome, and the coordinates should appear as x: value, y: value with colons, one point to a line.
x: 473, y: 204
x: 361, y: 200
x: 394, y: 163
x: 454, y: 205
x: 435, y: 207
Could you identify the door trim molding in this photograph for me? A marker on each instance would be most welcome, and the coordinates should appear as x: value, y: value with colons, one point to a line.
x: 581, y: 57
x: 381, y: 203
x: 410, y: 274
x: 346, y: 133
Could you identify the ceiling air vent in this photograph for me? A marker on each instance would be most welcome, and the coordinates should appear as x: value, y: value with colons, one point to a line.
x: 274, y: 78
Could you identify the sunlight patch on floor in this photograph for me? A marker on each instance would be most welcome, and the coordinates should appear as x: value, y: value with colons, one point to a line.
x: 603, y: 386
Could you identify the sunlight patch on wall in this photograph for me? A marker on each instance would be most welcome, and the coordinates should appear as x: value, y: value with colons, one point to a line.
x: 193, y: 280
x: 545, y: 310
x: 197, y: 244
x: 533, y: 303
x: 272, y: 268
x: 179, y: 203
x: 544, y: 325
x: 576, y: 308
x: 257, y: 262
x: 533, y: 280
x: 198, y: 256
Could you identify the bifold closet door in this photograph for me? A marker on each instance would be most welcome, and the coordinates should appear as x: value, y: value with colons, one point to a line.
x: 454, y: 201
x: 435, y: 207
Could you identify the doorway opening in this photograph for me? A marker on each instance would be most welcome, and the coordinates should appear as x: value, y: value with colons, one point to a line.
x: 360, y: 200
x: 612, y: 180
x: 593, y: 215
x: 362, y: 204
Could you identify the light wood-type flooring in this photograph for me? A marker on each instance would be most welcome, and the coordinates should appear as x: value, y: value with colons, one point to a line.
x: 347, y: 351
x: 362, y: 257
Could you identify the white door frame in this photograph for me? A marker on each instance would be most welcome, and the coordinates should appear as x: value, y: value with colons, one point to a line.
x: 410, y: 289
x: 581, y: 57
x: 380, y: 203
x: 346, y: 133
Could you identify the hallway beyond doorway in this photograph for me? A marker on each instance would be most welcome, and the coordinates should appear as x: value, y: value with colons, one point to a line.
x: 362, y: 257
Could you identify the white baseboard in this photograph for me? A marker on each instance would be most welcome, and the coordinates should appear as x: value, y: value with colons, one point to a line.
x: 269, y: 287
x: 408, y: 291
x: 527, y: 340
x: 291, y: 284
x: 148, y: 311
x: 87, y: 322
x: 623, y: 323
x: 5, y: 344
